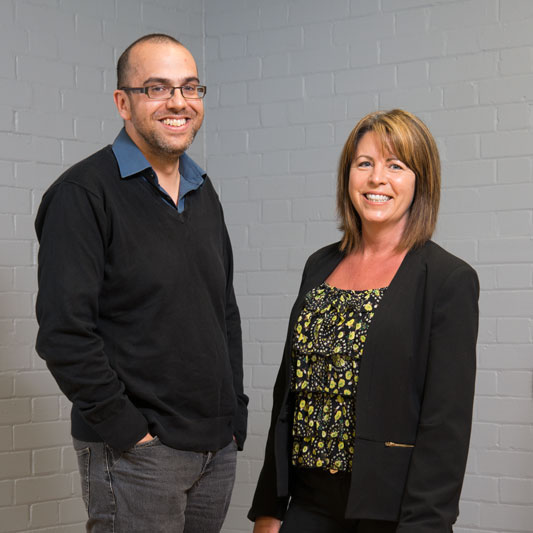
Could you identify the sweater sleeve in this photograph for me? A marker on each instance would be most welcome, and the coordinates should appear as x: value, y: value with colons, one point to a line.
x: 234, y: 336
x: 72, y: 229
x: 438, y: 463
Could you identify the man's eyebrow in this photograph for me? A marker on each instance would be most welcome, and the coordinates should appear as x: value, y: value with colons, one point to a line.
x: 166, y: 81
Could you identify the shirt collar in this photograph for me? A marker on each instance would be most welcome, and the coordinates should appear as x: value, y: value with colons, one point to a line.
x: 132, y: 161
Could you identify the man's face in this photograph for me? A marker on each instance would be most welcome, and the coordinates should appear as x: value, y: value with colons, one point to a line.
x: 162, y: 129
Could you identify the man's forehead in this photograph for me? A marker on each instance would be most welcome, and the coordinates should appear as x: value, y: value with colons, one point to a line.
x: 153, y: 45
x: 151, y: 54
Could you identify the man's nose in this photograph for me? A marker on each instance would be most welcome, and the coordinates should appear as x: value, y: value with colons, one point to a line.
x: 176, y: 100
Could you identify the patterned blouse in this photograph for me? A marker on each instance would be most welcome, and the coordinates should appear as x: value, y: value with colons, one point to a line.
x: 328, y: 343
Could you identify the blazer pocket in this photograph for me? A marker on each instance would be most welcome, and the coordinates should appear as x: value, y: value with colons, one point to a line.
x: 391, y: 444
x: 379, y: 474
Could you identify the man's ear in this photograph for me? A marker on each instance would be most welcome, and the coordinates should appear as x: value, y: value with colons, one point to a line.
x: 123, y: 104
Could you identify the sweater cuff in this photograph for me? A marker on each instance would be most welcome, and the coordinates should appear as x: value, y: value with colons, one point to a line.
x: 240, y: 425
x: 123, y: 429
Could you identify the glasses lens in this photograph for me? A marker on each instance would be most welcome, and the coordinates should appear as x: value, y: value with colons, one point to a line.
x: 193, y: 91
x: 159, y: 92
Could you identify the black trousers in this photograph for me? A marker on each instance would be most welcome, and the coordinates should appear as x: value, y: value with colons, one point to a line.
x: 302, y: 519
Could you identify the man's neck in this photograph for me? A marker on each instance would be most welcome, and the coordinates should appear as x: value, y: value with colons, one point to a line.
x: 169, y: 178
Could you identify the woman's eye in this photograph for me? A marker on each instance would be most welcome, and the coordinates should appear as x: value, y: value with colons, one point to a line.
x: 394, y: 166
x: 364, y: 164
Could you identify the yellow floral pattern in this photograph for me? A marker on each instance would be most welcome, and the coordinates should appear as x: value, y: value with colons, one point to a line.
x: 328, y: 343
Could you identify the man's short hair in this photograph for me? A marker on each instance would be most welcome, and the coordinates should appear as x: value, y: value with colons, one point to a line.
x: 123, y: 61
x: 409, y: 139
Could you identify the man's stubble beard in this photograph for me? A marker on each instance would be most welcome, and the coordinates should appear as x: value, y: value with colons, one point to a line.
x: 156, y: 141
x: 159, y: 144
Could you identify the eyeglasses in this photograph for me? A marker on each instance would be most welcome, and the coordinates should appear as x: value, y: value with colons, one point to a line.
x: 166, y: 92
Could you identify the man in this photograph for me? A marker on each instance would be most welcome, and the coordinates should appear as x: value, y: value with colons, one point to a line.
x: 137, y: 314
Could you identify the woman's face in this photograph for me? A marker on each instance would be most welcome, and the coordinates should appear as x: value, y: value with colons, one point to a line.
x: 381, y: 186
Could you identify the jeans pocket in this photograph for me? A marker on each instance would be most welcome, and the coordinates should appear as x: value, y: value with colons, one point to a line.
x: 84, y: 459
x: 132, y: 455
x: 154, y: 442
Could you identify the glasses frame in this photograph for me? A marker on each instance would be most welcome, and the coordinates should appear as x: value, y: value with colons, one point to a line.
x: 172, y: 91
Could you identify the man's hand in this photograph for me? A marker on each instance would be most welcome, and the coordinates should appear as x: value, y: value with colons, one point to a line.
x: 146, y: 438
x: 267, y: 524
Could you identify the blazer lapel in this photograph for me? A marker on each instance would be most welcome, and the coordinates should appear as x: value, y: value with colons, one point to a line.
x: 381, y: 340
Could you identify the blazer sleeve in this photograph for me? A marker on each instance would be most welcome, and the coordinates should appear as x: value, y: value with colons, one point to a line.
x: 438, y: 463
x: 266, y: 501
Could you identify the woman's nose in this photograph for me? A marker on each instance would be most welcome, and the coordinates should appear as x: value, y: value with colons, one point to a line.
x: 378, y: 174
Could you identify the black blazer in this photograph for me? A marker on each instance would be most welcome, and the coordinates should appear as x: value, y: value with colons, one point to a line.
x: 414, y: 396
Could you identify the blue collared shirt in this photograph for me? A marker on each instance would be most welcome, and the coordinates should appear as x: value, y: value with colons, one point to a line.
x: 131, y: 161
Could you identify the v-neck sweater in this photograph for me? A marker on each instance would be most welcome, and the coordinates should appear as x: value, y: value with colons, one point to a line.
x: 138, y: 319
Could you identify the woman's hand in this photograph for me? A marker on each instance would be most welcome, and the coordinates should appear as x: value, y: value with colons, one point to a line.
x: 267, y: 524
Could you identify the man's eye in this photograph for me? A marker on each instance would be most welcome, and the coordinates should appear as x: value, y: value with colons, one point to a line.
x: 158, y: 89
x: 192, y: 89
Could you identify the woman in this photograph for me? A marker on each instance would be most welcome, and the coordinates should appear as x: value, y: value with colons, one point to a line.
x: 373, y: 401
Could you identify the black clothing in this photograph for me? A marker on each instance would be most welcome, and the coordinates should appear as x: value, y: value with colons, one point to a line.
x: 138, y: 319
x: 300, y: 518
x: 320, y: 490
x: 415, y: 396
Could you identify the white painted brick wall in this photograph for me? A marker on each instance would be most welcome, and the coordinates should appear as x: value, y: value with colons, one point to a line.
x: 287, y: 80
x: 292, y: 77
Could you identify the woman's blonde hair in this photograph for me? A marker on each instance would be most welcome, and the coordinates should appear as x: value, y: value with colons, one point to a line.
x: 409, y: 139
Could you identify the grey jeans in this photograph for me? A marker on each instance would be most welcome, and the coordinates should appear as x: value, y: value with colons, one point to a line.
x: 154, y: 488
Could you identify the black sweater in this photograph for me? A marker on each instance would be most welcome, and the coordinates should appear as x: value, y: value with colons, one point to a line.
x: 137, y: 314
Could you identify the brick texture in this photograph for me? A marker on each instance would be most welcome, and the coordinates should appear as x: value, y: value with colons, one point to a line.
x: 466, y: 68
x: 288, y: 79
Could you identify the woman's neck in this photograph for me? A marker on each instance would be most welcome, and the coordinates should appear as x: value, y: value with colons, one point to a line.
x: 381, y: 241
